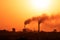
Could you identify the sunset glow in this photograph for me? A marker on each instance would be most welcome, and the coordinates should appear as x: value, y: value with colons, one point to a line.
x: 13, y: 13
x: 40, y: 4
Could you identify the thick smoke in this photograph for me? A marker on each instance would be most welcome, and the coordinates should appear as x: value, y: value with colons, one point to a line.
x: 51, y: 21
x: 27, y: 21
x: 40, y: 19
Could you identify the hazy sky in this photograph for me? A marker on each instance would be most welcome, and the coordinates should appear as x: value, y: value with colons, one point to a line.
x: 13, y: 13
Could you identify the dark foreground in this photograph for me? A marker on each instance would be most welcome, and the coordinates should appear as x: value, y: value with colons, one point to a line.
x: 29, y: 35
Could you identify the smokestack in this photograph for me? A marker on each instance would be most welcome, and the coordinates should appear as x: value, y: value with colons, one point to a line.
x: 39, y: 21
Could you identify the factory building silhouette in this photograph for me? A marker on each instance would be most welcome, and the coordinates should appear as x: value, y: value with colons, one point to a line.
x: 31, y: 35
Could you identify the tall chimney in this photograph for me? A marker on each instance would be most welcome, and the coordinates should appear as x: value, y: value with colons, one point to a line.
x: 38, y: 25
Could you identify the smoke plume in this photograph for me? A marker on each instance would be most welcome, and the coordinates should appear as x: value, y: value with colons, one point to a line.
x: 40, y: 19
x: 51, y: 21
x: 27, y: 21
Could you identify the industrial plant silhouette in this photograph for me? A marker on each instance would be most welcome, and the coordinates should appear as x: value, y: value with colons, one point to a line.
x: 31, y: 35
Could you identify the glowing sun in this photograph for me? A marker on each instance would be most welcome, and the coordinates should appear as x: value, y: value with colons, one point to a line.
x: 40, y: 4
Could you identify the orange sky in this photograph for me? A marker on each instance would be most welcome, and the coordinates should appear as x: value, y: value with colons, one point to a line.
x: 13, y: 13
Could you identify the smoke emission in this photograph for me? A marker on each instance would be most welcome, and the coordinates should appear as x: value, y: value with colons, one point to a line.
x: 39, y: 18
x: 48, y: 21
x: 43, y: 17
